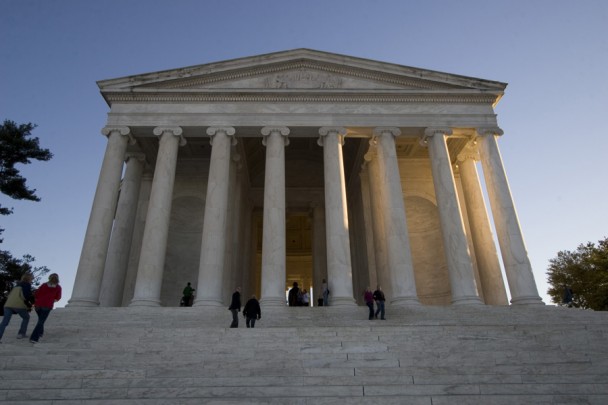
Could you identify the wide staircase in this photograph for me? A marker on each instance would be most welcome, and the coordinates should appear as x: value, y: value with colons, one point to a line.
x: 327, y: 355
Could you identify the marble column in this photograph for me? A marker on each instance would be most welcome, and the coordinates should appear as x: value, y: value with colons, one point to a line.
x: 154, y: 244
x: 87, y: 285
x: 462, y: 279
x: 213, y: 245
x: 319, y: 250
x: 399, y: 254
x: 376, y: 197
x: 512, y: 246
x: 274, y: 233
x: 339, y: 269
x: 488, y: 265
x: 113, y: 282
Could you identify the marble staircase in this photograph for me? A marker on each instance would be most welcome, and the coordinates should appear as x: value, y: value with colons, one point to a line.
x: 327, y: 355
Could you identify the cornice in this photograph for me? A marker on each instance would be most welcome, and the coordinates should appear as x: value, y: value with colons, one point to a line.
x: 205, y: 97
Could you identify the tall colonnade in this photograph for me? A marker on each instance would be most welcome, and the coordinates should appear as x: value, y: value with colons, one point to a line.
x: 162, y: 215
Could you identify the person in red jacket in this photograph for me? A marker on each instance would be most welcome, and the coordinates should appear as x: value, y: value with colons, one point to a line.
x: 46, y: 297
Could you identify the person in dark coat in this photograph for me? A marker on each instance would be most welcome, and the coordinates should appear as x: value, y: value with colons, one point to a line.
x: 252, y: 311
x: 188, y: 296
x: 379, y: 298
x: 235, y: 307
x: 292, y: 297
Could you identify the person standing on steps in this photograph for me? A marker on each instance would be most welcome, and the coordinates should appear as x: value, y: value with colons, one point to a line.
x: 379, y: 298
x: 252, y: 311
x: 46, y: 297
x: 19, y: 301
x: 292, y: 296
x: 368, y: 297
x: 305, y: 298
x: 188, y: 294
x: 325, y: 290
x: 235, y: 307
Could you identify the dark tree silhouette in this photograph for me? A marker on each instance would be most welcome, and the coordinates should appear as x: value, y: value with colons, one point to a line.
x: 585, y: 271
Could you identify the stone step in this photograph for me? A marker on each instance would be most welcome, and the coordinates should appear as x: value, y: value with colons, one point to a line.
x: 423, y: 355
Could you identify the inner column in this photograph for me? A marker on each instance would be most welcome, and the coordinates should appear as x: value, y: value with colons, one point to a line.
x: 462, y: 280
x: 273, y: 234
x: 339, y: 269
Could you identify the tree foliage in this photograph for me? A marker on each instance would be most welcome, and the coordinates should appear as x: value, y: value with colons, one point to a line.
x: 585, y: 271
x: 17, y: 147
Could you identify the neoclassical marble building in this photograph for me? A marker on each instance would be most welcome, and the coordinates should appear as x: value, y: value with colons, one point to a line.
x: 302, y: 166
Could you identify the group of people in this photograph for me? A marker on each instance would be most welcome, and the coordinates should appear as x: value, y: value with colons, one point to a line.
x: 298, y: 297
x: 251, y: 311
x: 378, y: 297
x: 22, y: 299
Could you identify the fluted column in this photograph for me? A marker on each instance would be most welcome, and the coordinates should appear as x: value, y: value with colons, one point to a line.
x: 376, y: 197
x: 154, y: 244
x: 462, y: 278
x: 481, y: 232
x: 213, y: 245
x: 112, y: 285
x: 399, y: 254
x: 274, y: 233
x: 95, y: 246
x: 512, y: 246
x: 339, y: 269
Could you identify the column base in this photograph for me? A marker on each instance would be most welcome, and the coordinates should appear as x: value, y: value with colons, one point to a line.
x: 529, y: 300
x: 144, y: 303
x: 405, y: 302
x: 207, y: 302
x: 272, y: 302
x: 82, y: 302
x: 471, y: 300
x: 341, y: 302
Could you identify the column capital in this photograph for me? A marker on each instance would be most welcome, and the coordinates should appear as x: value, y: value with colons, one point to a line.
x: 469, y: 152
x: 175, y: 131
x: 228, y: 131
x: 324, y: 131
x: 430, y: 131
x: 394, y: 131
x: 283, y: 131
x: 485, y: 131
x: 136, y: 156
x: 124, y: 131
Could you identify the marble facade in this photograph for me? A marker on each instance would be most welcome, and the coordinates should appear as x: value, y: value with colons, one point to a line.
x: 302, y: 166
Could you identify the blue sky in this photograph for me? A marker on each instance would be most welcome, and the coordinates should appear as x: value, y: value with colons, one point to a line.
x: 553, y: 54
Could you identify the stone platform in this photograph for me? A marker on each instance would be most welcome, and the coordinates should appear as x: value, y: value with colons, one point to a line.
x: 327, y: 355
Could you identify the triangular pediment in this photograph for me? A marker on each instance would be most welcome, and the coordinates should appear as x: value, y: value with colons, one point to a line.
x: 298, y: 71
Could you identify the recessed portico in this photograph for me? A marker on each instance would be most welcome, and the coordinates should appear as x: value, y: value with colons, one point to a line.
x: 350, y: 170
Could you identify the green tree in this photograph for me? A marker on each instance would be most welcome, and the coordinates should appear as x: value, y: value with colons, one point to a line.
x: 17, y: 147
x: 585, y: 271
